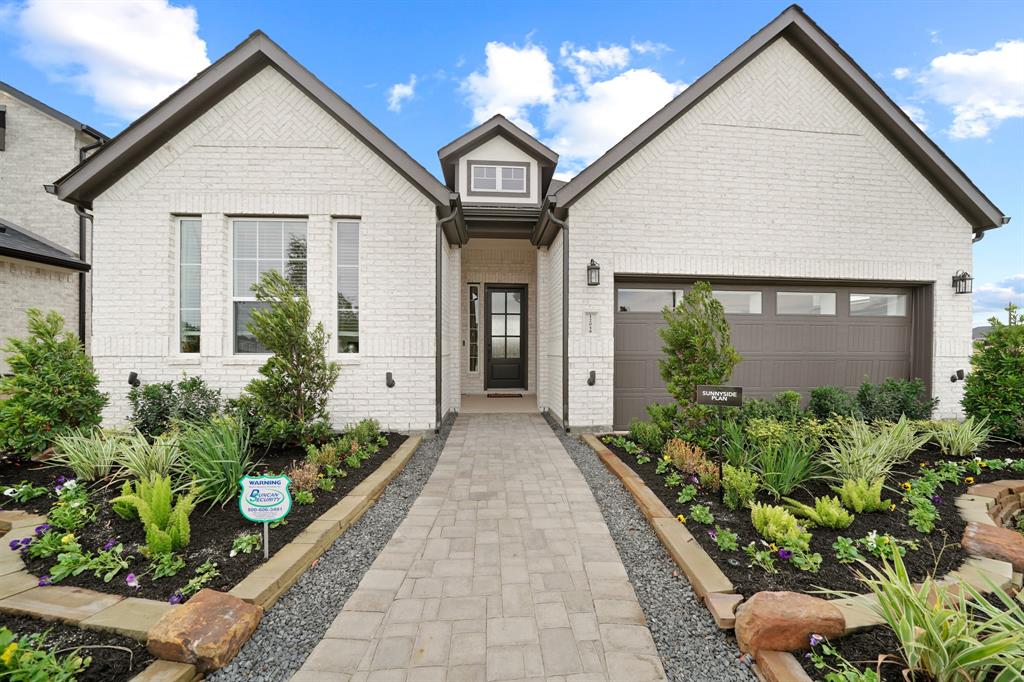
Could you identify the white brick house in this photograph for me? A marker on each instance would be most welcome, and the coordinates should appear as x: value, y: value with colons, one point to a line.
x: 42, y: 263
x: 828, y: 224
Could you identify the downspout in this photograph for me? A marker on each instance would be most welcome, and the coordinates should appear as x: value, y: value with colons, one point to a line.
x: 564, y: 224
x: 438, y: 316
x: 82, y: 245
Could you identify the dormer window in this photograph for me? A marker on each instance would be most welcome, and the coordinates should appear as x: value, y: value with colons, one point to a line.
x: 507, y: 178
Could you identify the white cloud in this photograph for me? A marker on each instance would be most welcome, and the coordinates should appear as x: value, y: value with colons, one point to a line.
x: 900, y: 72
x: 516, y: 78
x: 916, y: 115
x: 648, y: 47
x: 400, y: 92
x: 992, y: 298
x: 586, y: 64
x: 982, y: 88
x: 127, y: 55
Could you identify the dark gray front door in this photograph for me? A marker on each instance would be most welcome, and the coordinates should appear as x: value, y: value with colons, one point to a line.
x: 505, y: 331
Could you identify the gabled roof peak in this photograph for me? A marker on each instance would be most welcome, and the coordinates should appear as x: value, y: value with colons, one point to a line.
x: 498, y: 125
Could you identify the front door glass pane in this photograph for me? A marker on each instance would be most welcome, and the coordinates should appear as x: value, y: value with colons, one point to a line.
x: 512, y: 325
x: 512, y: 347
x: 497, y: 325
x: 497, y: 301
x: 498, y: 347
x: 512, y: 299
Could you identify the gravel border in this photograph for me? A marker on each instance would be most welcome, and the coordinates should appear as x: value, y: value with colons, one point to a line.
x: 690, y: 644
x: 299, y: 620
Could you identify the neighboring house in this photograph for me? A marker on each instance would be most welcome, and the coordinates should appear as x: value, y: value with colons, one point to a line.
x: 829, y: 224
x: 42, y: 240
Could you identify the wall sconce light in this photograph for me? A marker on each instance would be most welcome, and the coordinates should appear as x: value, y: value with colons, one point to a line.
x: 593, y: 273
x: 592, y: 379
x: 957, y: 376
x: 963, y: 283
x: 389, y: 381
x: 133, y: 379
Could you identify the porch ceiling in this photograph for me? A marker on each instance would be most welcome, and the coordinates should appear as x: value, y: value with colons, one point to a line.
x: 495, y: 221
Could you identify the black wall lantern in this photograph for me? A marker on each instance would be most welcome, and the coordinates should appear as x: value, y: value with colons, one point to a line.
x: 593, y: 273
x: 963, y: 283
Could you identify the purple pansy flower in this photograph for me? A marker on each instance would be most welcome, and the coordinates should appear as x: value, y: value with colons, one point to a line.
x: 785, y: 554
x: 43, y: 528
x: 25, y: 542
x: 44, y: 581
x: 59, y: 480
x: 693, y: 479
x: 176, y: 598
x: 936, y: 499
x: 15, y: 545
x: 109, y: 544
x: 816, y: 640
x: 132, y: 581
x: 713, y: 535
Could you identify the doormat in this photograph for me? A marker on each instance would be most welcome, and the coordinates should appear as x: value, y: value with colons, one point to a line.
x: 504, y: 395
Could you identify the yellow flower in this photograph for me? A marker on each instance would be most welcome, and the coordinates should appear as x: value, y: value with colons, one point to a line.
x: 906, y: 485
x: 773, y: 547
x: 67, y: 539
x: 983, y: 463
x: 892, y: 507
x: 969, y: 480
x: 8, y: 653
x: 923, y: 464
x: 681, y: 519
x: 666, y: 458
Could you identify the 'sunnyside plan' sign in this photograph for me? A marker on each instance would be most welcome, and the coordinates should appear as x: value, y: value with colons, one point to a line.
x: 722, y: 396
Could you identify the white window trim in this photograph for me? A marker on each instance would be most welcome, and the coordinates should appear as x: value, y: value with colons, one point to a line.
x: 177, y: 356
x: 232, y: 299
x: 346, y: 358
x: 498, y: 178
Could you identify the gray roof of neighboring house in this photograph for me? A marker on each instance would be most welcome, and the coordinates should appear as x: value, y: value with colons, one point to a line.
x: 87, y: 180
x: 796, y: 26
x: 493, y: 127
x: 981, y: 332
x: 50, y: 111
x: 17, y: 242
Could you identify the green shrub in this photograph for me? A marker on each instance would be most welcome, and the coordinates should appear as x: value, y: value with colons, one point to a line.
x: 858, y: 450
x: 861, y: 496
x: 138, y: 458
x: 32, y: 659
x: 994, y: 388
x: 150, y: 501
x: 895, y: 398
x: 156, y: 407
x: 960, y: 439
x: 365, y: 432
x: 784, y: 406
x: 733, y: 445
x: 787, y: 464
x: 216, y: 457
x: 90, y: 453
x: 827, y: 401
x: 647, y: 435
x: 827, y: 512
x: 51, y: 390
x: 665, y: 416
x: 777, y: 525
x: 739, y: 486
x: 697, y: 350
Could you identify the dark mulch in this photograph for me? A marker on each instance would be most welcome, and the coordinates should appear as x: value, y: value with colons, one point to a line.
x: 213, y: 530
x: 939, y: 552
x: 114, y: 658
x: 862, y: 649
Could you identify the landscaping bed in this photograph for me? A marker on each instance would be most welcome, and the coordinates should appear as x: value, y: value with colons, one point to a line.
x: 213, y: 529
x: 939, y: 552
x: 114, y: 658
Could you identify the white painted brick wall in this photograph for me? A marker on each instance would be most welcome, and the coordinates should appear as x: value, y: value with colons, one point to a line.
x: 26, y: 285
x: 549, y: 329
x: 266, y: 150
x: 774, y: 174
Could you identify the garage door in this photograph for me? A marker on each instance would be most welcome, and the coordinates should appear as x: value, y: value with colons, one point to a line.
x: 791, y: 337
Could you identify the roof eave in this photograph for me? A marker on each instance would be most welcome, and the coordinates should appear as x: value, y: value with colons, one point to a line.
x: 43, y: 259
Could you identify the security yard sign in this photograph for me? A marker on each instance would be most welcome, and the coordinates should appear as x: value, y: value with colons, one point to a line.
x: 264, y: 499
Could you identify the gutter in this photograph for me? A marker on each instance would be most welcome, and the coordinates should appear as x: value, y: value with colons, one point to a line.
x: 44, y: 259
x: 564, y: 224
x: 453, y: 215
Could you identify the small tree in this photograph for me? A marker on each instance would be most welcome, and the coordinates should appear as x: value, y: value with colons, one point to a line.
x: 288, y: 403
x: 52, y: 387
x: 697, y: 351
x: 995, y: 387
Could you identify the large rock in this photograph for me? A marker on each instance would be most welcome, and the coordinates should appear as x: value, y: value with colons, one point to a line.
x: 207, y: 631
x: 995, y: 543
x: 785, y: 621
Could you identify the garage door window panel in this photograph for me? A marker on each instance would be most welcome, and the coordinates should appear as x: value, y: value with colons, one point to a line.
x: 739, y: 302
x: 805, y: 303
x: 878, y: 305
x: 645, y: 300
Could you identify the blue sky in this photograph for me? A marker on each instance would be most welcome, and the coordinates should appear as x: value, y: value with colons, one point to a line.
x: 578, y: 75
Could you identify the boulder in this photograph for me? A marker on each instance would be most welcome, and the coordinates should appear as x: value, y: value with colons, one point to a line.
x: 207, y: 631
x: 785, y: 621
x: 1003, y: 544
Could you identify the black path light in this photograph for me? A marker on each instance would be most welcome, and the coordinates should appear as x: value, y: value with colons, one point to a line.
x: 593, y: 273
x: 963, y: 283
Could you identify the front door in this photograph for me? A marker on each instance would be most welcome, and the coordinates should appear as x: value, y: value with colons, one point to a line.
x: 506, y: 336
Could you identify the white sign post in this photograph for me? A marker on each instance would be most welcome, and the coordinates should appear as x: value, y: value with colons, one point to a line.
x: 264, y: 499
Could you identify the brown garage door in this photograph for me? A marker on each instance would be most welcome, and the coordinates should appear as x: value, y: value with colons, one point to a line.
x: 791, y: 337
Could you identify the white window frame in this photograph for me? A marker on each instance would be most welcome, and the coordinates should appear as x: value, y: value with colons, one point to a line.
x: 499, y: 167
x: 232, y: 299
x: 335, y: 223
x: 178, y: 220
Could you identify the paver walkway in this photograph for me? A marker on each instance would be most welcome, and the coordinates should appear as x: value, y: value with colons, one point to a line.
x: 504, y: 569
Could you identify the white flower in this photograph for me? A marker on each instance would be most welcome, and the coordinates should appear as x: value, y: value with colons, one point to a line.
x: 233, y: 553
x: 70, y: 485
x: 1007, y: 461
x: 11, y: 492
